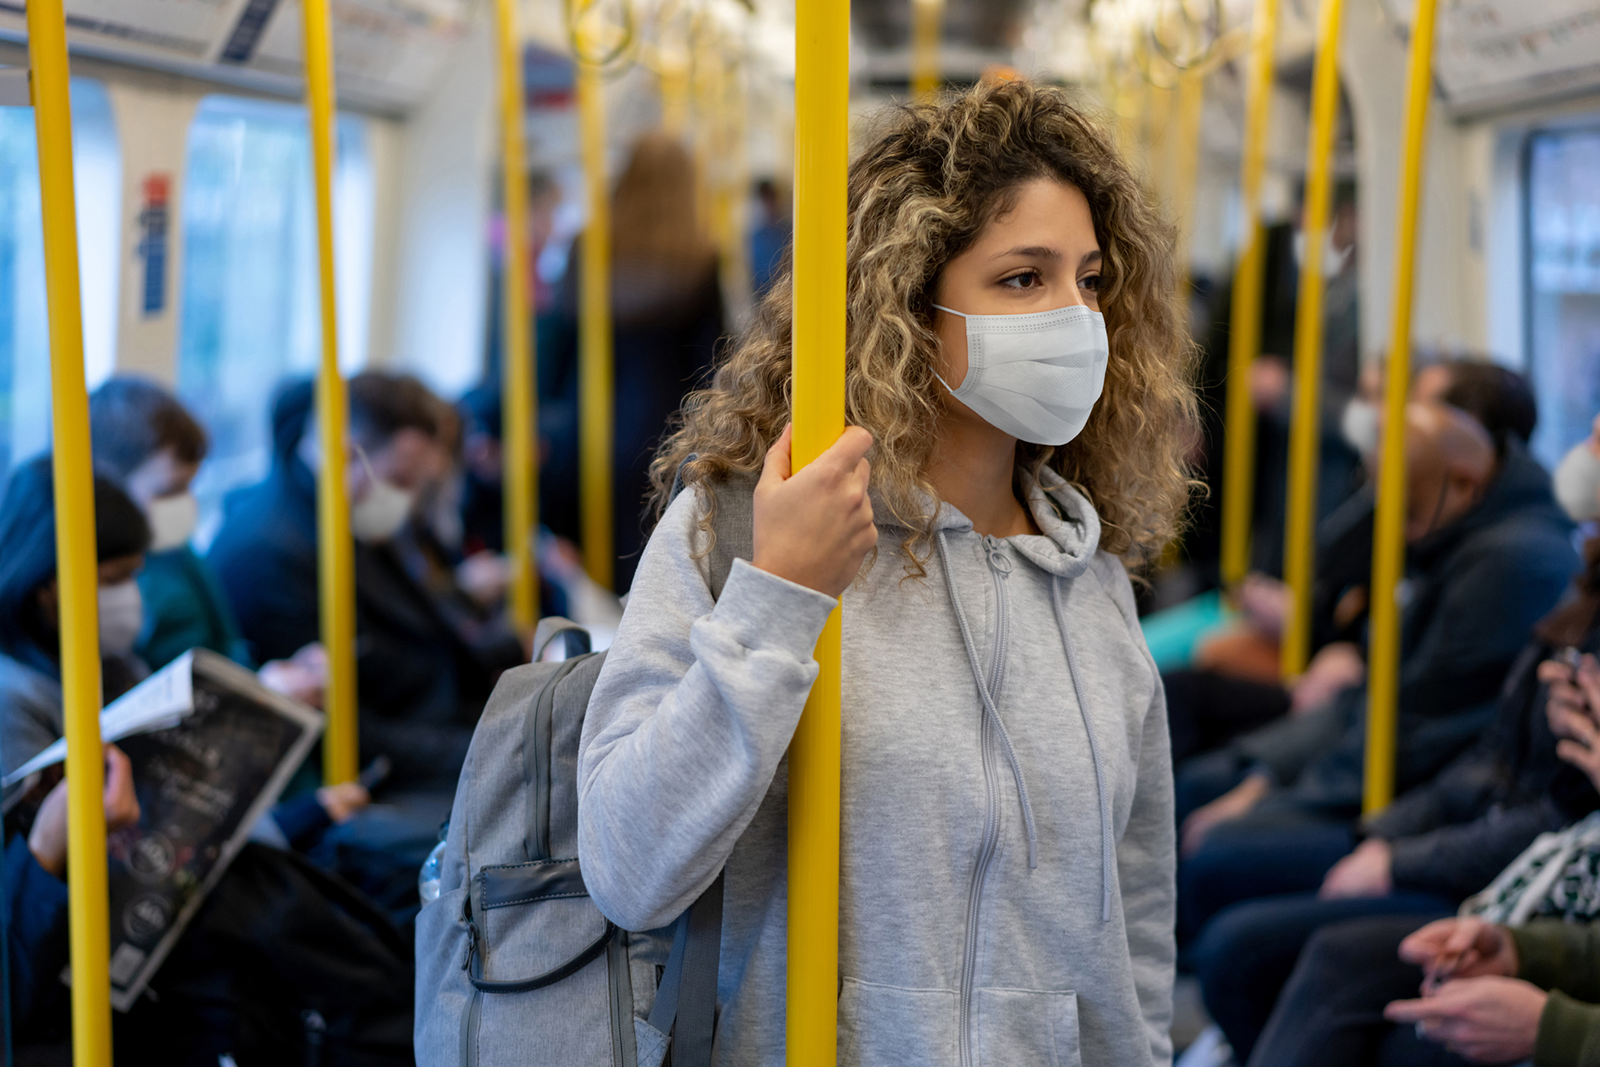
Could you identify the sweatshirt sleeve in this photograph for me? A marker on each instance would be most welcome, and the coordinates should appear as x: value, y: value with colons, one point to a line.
x: 1146, y: 854
x: 1458, y: 861
x: 688, y: 722
x: 1569, y: 1034
x: 36, y: 932
x: 1558, y: 955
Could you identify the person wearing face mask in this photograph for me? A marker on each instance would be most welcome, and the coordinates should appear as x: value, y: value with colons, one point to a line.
x: 30, y: 666
x: 1234, y: 684
x: 421, y: 687
x: 1018, y: 380
x: 145, y: 439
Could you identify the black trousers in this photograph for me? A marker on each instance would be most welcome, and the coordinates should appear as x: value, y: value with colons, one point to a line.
x: 1331, y: 1012
x: 1205, y: 710
x: 1247, y: 953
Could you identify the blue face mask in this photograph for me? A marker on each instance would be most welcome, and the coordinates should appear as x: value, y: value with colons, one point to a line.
x: 1035, y: 376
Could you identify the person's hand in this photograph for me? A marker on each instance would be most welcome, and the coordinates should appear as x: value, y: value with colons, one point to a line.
x: 1366, y: 872
x: 1486, y: 1020
x: 302, y: 676
x: 814, y: 526
x: 1336, y: 667
x: 484, y: 577
x: 1230, y: 805
x: 1570, y: 707
x: 1265, y: 602
x: 343, y: 800
x: 1466, y: 947
x: 48, y: 838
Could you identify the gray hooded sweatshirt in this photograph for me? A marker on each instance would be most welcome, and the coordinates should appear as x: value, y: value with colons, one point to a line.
x: 1007, y: 853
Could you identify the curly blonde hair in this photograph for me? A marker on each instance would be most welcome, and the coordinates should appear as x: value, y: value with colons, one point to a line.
x: 919, y: 194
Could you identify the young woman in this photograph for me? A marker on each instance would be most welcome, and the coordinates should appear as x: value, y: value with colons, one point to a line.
x: 1018, y: 373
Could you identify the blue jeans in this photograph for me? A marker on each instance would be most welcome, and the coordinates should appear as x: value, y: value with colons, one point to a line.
x: 1245, y: 955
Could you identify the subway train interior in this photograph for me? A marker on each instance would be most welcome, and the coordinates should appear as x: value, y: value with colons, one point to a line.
x: 740, y: 532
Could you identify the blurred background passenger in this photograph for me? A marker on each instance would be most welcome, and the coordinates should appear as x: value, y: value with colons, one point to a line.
x: 1235, y: 684
x: 1488, y: 553
x: 667, y: 313
x: 421, y: 686
x: 146, y: 441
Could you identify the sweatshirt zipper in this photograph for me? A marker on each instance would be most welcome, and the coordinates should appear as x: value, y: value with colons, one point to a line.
x: 999, y: 570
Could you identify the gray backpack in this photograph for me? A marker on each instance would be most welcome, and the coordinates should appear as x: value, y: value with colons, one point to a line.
x: 515, y: 964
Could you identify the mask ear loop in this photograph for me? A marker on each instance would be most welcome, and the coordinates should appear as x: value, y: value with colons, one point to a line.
x: 960, y: 315
x: 366, y: 465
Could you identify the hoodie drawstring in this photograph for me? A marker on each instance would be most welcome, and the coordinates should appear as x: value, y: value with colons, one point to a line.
x: 1107, y: 844
x: 993, y: 711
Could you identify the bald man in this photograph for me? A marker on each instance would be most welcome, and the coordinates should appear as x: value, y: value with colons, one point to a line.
x: 1488, y: 552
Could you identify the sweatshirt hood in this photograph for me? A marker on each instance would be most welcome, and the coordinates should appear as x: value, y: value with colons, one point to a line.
x: 1520, y: 485
x: 1070, y: 528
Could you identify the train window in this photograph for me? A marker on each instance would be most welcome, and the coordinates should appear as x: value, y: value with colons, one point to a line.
x: 1563, y: 219
x: 250, y: 302
x: 24, y: 317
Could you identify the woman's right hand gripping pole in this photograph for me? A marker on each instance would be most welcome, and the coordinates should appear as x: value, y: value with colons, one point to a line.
x: 814, y: 526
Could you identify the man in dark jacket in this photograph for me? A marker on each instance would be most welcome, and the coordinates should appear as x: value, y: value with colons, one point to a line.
x: 1488, y: 553
x: 420, y: 687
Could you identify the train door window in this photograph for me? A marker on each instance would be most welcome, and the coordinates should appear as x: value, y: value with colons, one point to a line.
x: 24, y: 315
x: 250, y: 293
x: 1563, y: 325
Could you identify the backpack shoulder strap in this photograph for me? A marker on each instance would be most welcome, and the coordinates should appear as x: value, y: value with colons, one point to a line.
x: 688, y: 991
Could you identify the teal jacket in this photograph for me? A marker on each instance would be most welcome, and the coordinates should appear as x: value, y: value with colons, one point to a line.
x: 184, y: 608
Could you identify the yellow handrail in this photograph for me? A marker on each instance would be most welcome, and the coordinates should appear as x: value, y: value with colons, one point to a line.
x: 927, y: 26
x: 1191, y: 101
x: 596, y: 375
x: 1244, y: 319
x: 1388, y: 544
x: 335, y: 551
x: 821, y: 134
x: 88, y: 916
x: 519, y: 413
x: 1299, y: 546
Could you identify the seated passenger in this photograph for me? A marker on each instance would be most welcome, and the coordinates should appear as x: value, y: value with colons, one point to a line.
x: 1488, y: 553
x: 146, y: 440
x: 420, y: 687
x: 1488, y: 992
x: 1234, y: 686
x: 1007, y: 845
x: 259, y: 952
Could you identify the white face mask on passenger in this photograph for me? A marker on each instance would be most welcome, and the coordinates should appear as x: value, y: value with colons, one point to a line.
x: 1034, y: 376
x: 1333, y: 258
x: 1577, y: 483
x: 379, y: 515
x: 121, y: 617
x: 172, y: 521
x: 1359, y: 426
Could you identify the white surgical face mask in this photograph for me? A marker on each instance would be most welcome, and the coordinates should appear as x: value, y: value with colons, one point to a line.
x: 1333, y: 259
x: 1577, y: 483
x: 1359, y: 425
x: 1035, y: 376
x: 121, y: 617
x: 172, y: 521
x: 379, y: 515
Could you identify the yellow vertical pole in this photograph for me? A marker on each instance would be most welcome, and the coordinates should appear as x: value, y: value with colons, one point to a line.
x: 821, y: 134
x: 518, y: 411
x: 595, y: 371
x: 1388, y: 546
x: 335, y: 550
x: 927, y: 26
x: 88, y: 917
x: 1244, y: 320
x: 1299, y: 548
